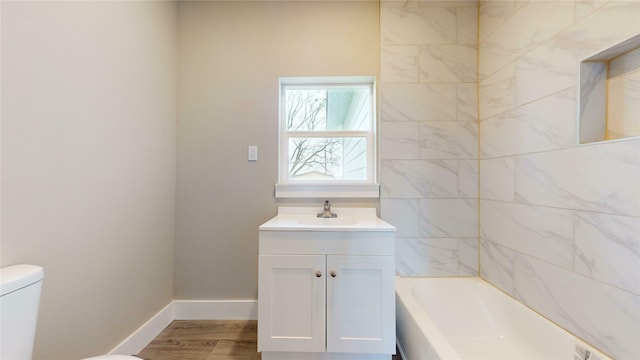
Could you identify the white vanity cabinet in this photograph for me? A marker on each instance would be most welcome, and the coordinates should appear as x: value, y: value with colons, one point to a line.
x: 326, y: 294
x: 291, y: 303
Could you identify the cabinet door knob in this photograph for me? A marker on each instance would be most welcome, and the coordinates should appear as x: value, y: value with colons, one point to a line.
x: 333, y: 274
x: 318, y: 273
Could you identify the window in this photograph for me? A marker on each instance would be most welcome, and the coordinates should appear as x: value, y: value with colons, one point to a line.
x: 327, y: 135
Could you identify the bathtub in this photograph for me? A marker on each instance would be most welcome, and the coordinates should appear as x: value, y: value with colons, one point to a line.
x: 466, y: 318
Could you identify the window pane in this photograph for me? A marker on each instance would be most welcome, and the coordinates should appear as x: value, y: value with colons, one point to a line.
x: 330, y: 158
x: 306, y: 110
x: 336, y: 109
x: 349, y: 109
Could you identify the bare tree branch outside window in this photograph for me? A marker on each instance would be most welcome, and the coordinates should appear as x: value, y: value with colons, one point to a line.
x: 311, y: 156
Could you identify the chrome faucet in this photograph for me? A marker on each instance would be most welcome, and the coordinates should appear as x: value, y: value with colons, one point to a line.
x: 326, y: 213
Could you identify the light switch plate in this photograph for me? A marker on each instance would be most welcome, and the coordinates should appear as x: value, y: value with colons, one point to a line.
x: 252, y: 153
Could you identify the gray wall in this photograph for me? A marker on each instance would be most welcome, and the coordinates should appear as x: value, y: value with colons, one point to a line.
x: 88, y: 164
x: 231, y: 55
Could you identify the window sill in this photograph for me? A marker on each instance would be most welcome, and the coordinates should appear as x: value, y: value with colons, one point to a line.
x: 327, y: 190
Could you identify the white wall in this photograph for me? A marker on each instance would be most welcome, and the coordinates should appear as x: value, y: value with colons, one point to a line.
x: 231, y: 56
x: 560, y: 222
x: 88, y: 164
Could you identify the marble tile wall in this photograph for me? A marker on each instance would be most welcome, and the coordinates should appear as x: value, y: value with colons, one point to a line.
x: 429, y: 134
x: 559, y: 222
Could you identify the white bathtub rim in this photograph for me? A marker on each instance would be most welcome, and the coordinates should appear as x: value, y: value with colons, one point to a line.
x: 404, y: 283
x: 444, y: 349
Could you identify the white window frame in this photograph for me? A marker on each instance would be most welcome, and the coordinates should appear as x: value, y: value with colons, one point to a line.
x: 330, y: 188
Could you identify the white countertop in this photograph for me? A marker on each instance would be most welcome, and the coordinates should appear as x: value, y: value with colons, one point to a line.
x: 305, y: 219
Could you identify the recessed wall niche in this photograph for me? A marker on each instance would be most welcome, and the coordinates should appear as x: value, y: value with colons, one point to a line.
x: 610, y: 93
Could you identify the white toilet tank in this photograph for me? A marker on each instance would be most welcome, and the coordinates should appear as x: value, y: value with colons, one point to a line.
x: 20, y: 287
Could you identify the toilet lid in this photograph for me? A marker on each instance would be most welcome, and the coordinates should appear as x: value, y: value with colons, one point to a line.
x: 113, y: 357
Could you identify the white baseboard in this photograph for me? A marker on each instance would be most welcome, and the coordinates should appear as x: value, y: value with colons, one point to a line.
x: 186, y: 310
x: 401, y: 350
x: 147, y: 332
x: 216, y: 309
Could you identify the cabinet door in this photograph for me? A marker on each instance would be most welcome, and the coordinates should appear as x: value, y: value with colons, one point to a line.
x: 361, y: 304
x: 291, y: 303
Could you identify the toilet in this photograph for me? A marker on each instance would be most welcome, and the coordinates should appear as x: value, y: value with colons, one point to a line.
x: 20, y: 287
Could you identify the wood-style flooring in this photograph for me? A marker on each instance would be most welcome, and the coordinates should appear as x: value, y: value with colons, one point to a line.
x: 207, y: 340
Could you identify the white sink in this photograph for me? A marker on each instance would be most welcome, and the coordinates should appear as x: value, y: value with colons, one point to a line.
x: 305, y: 219
x: 316, y: 221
